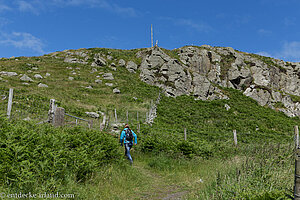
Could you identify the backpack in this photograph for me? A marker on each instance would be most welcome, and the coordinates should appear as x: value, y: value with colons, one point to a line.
x: 128, y: 135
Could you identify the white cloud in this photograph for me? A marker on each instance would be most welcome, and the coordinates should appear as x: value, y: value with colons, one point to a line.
x: 22, y: 40
x: 201, y: 27
x: 26, y: 7
x: 4, y: 7
x: 287, y: 21
x: 291, y: 51
x: 33, y: 5
x: 198, y: 26
x: 264, y: 32
x: 263, y: 53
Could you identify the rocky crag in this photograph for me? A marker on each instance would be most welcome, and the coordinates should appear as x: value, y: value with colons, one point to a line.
x: 203, y: 71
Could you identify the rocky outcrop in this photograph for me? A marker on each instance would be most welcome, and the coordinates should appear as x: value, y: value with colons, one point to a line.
x: 202, y: 71
x: 75, y: 60
x: 99, y: 61
x: 179, y: 77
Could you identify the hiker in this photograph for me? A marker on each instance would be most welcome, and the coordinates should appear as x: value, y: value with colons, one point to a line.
x: 127, y: 137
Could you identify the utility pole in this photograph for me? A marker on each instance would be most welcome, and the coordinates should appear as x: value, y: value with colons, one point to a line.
x: 151, y: 36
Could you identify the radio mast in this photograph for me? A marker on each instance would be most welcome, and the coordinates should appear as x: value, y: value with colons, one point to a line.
x: 151, y: 36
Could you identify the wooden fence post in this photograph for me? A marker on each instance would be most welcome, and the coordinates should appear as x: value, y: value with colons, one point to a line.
x: 102, y: 125
x: 297, y: 166
x: 185, y: 134
x: 51, y: 111
x: 235, y: 137
x: 59, y: 118
x: 9, y: 106
x: 296, y: 137
x: 116, y: 117
x: 90, y: 124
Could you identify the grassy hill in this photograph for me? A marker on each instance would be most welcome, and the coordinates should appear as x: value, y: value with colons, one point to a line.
x: 260, y: 167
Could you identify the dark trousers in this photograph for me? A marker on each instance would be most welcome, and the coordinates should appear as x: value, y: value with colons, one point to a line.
x: 128, y: 146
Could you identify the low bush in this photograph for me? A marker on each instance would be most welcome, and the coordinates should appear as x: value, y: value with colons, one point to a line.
x: 33, y: 156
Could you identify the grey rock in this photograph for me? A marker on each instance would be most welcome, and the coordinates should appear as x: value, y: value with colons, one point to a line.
x: 98, y: 81
x: 109, y: 84
x: 108, y: 76
x: 92, y: 114
x: 94, y: 70
x: 26, y: 78
x: 113, y: 68
x: 99, y: 61
x: 227, y: 107
x: 89, y: 87
x: 9, y: 74
x: 116, y: 91
x: 47, y: 74
x: 38, y: 76
x: 41, y: 85
x: 71, y: 78
x: 131, y: 67
x: 74, y: 60
x: 122, y: 63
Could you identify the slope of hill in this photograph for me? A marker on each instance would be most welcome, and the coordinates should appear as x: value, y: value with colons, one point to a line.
x: 210, y: 91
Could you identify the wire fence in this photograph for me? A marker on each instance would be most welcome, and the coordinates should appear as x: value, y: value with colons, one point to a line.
x: 221, y: 136
x: 24, y: 106
x: 33, y: 107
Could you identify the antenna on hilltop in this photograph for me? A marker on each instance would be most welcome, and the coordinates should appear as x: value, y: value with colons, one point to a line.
x: 151, y: 36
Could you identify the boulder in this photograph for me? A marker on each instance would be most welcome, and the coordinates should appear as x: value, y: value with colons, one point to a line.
x: 74, y: 60
x: 227, y: 107
x: 98, y: 61
x: 41, y: 85
x: 131, y: 67
x: 38, y: 76
x: 9, y: 74
x: 122, y: 63
x: 98, y: 81
x: 92, y: 114
x: 94, y: 70
x: 116, y: 91
x: 47, y: 74
x: 108, y: 76
x: 71, y: 78
x: 26, y: 78
x: 109, y: 84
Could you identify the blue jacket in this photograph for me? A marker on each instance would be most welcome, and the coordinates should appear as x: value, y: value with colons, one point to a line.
x: 123, y: 137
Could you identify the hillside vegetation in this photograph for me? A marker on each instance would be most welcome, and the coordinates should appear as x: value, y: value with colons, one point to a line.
x: 89, y: 163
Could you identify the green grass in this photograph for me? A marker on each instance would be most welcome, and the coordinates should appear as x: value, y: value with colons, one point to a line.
x: 91, y: 165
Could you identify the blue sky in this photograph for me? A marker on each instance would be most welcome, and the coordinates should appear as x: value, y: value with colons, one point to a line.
x: 36, y: 27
